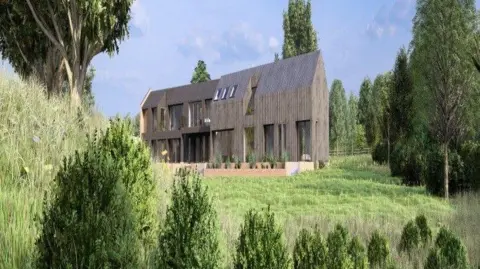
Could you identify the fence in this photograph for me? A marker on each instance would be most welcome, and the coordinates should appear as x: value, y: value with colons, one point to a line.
x: 349, y: 152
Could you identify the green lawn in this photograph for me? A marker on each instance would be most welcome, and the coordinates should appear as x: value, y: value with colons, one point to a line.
x: 350, y: 190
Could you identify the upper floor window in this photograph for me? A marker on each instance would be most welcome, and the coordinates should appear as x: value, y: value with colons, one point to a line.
x: 155, y: 119
x: 217, y: 94
x: 175, y: 113
x: 233, y: 89
x: 194, y: 114
x: 224, y: 93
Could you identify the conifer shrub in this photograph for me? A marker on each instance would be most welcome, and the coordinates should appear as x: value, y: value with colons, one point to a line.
x: 448, y: 252
x: 410, y: 238
x: 337, y: 245
x: 135, y: 171
x: 357, y: 254
x: 380, y: 153
x: 89, y: 221
x: 260, y: 243
x: 309, y: 251
x: 188, y: 239
x: 424, y: 230
x: 378, y: 251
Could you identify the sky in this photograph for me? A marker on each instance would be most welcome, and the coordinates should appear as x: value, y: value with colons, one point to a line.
x: 356, y: 38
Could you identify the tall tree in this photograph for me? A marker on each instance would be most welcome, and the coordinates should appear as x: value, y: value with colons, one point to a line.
x: 364, y: 100
x: 352, y: 121
x: 200, y: 73
x: 79, y: 30
x: 299, y: 36
x: 338, y: 115
x: 27, y: 49
x: 401, y: 98
x: 443, y: 34
x: 380, y: 111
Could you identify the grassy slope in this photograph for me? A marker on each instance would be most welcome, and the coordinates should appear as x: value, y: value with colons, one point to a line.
x: 352, y: 191
x: 25, y: 115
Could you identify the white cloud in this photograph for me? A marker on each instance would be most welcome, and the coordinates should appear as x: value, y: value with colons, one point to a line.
x: 140, y: 16
x: 273, y: 42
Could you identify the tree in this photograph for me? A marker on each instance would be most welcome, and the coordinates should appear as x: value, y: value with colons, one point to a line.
x: 443, y: 35
x: 401, y: 98
x: 27, y: 49
x: 276, y: 57
x: 79, y: 30
x: 298, y: 33
x: 364, y: 109
x: 200, y: 73
x: 380, y: 112
x: 351, y: 121
x: 338, y: 114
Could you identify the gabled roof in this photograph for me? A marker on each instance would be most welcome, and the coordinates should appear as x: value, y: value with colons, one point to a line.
x: 284, y: 75
x: 180, y: 94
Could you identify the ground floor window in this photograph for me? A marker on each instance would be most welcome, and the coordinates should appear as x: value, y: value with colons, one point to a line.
x: 223, y: 144
x: 304, y: 140
x: 268, y: 139
x: 249, y: 142
x: 174, y: 153
x: 282, y: 140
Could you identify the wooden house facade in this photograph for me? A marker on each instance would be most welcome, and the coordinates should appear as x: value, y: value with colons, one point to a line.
x: 278, y: 109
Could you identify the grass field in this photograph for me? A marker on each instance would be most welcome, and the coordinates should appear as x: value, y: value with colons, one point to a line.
x: 352, y: 191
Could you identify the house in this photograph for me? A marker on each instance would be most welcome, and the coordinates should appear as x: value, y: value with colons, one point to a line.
x: 277, y: 109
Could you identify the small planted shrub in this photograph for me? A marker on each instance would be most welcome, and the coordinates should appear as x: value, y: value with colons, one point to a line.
x: 188, y: 238
x: 285, y: 157
x: 448, y: 252
x: 309, y: 251
x: 217, y: 161
x: 410, y: 238
x: 433, y: 260
x: 337, y: 245
x: 272, y: 161
x: 424, y: 230
x: 227, y: 163
x: 90, y: 221
x: 378, y: 251
x: 252, y: 161
x: 236, y: 161
x: 260, y: 243
x: 357, y: 254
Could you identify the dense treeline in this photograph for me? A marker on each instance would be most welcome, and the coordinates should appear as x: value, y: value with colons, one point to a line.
x: 420, y: 118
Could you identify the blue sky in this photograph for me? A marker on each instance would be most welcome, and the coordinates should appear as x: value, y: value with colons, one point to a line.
x: 357, y: 38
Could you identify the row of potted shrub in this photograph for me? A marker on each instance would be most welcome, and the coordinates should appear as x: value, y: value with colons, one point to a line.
x: 268, y: 162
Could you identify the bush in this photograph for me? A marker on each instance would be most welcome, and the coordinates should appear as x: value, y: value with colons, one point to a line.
x: 136, y: 173
x: 409, y: 163
x: 337, y: 245
x: 450, y: 252
x: 380, y: 153
x: 309, y: 251
x: 470, y: 154
x: 424, y: 231
x: 90, y: 222
x: 434, y: 176
x: 357, y: 254
x: 410, y: 238
x: 378, y: 251
x: 189, y: 236
x: 260, y: 243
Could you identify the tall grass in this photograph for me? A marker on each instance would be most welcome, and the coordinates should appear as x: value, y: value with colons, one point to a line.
x: 35, y: 134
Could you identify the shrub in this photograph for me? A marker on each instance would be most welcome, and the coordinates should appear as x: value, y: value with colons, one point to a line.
x: 470, y: 154
x: 227, y: 163
x: 260, y: 243
x: 309, y: 251
x: 424, y: 231
x: 337, y: 245
x: 380, y: 153
x: 433, y: 260
x: 357, y: 254
x: 410, y: 238
x: 378, y: 251
x: 90, y: 221
x: 408, y: 162
x: 450, y: 252
x: 434, y: 175
x: 251, y: 160
x: 136, y: 173
x: 189, y: 236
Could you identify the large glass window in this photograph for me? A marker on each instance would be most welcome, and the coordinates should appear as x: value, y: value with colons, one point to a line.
x: 175, y: 113
x: 154, y: 116
x: 268, y: 139
x: 304, y: 140
x: 282, y: 139
x: 194, y: 114
x: 249, y: 136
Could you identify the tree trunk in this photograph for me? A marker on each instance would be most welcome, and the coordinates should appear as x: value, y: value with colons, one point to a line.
x: 445, y: 170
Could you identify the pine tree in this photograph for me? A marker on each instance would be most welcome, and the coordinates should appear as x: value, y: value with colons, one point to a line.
x: 200, y: 73
x: 401, y: 98
x: 300, y: 36
x: 338, y: 115
x: 351, y: 121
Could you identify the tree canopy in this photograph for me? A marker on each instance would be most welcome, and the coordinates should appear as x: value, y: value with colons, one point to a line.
x: 200, y: 74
